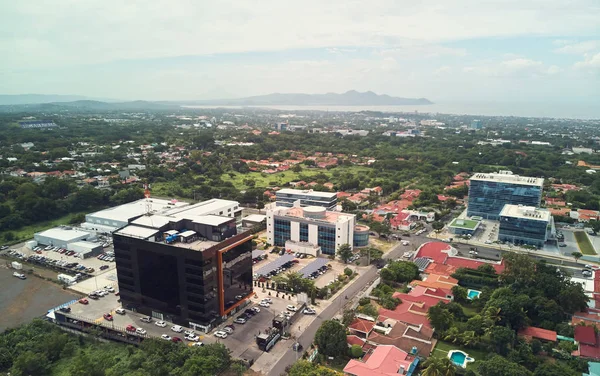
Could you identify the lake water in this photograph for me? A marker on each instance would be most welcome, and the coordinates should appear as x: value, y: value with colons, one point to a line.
x: 23, y: 300
x: 575, y: 110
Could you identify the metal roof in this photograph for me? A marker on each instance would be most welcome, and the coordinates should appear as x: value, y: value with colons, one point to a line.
x: 313, y: 266
x: 275, y: 264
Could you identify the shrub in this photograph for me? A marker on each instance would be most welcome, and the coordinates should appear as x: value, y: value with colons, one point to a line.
x: 348, y: 271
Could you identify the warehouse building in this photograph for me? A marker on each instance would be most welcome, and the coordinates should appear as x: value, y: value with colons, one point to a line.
x: 61, y: 236
x: 109, y: 220
x: 85, y: 249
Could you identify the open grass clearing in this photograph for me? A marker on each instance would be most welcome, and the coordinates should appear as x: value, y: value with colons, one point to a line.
x: 585, y: 246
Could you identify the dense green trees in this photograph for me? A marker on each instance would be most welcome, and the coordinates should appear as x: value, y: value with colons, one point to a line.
x: 331, y: 339
x: 40, y: 348
x: 400, y: 272
x: 344, y: 252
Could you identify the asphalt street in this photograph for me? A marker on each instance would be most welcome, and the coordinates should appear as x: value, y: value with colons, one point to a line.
x: 308, y: 334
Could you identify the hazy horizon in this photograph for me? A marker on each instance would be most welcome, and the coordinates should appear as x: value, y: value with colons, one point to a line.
x: 523, y: 51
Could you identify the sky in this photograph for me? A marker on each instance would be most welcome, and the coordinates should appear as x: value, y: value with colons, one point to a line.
x: 445, y: 50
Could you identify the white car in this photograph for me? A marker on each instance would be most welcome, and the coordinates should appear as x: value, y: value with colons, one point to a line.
x: 264, y: 304
x: 109, y: 288
x: 255, y: 309
x: 146, y: 319
x: 101, y: 293
x: 198, y: 344
x: 268, y: 300
x: 228, y: 330
x: 287, y: 314
x: 291, y: 308
x: 162, y: 324
x: 140, y: 331
x: 189, y: 333
x: 177, y: 328
x: 166, y: 337
x: 220, y: 334
x: 239, y: 320
x: 120, y: 311
x: 192, y: 338
x: 309, y: 311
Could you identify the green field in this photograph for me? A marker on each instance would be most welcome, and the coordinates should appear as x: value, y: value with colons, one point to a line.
x: 26, y: 232
x: 282, y: 178
x: 585, y: 246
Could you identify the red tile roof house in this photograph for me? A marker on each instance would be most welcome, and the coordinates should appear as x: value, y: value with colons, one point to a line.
x: 532, y: 332
x: 385, y: 360
x: 443, y: 254
x: 588, y: 341
x: 412, y: 339
x: 361, y: 328
x: 410, y: 313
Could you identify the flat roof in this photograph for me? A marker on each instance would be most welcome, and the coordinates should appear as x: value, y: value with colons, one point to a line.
x: 187, y: 233
x: 137, y: 231
x: 211, y: 220
x: 64, y: 234
x: 466, y: 223
x: 328, y: 216
x: 505, y: 177
x: 155, y: 220
x: 134, y: 209
x: 201, y: 208
x: 526, y: 212
x: 255, y: 218
x: 88, y: 245
x: 306, y: 192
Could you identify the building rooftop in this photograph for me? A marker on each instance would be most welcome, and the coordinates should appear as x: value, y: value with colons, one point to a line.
x: 508, y: 177
x: 465, y: 223
x: 255, y: 218
x: 306, y: 192
x: 137, y: 231
x: 63, y: 233
x: 134, y: 209
x: 526, y: 212
x: 313, y: 213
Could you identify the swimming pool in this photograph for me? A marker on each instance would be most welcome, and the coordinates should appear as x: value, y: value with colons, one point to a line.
x: 472, y: 294
x: 460, y: 358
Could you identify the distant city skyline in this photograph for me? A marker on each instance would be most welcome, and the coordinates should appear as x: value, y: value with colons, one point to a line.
x: 523, y: 51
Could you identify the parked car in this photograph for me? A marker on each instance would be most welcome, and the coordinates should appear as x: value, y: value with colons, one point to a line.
x: 177, y: 328
x: 166, y: 337
x: 176, y: 339
x: 120, y: 311
x: 268, y: 300
x: 108, y: 317
x: 146, y: 319
x: 255, y: 309
x: 192, y: 338
x: 228, y: 330
x: 162, y: 324
x: 309, y: 311
x: 291, y: 308
x: 264, y: 304
x: 141, y: 331
x: 189, y: 333
x: 220, y: 334
x: 130, y: 328
x: 109, y: 288
x: 83, y: 301
x: 240, y: 320
x: 65, y: 309
x: 198, y: 344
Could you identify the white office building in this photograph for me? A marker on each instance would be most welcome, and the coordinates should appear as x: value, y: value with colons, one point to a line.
x: 287, y: 197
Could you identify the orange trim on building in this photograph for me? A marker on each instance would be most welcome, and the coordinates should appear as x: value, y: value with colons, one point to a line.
x: 220, y: 271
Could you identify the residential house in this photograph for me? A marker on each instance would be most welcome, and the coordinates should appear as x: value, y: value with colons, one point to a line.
x: 412, y: 339
x: 532, y: 332
x: 384, y: 360
x: 589, y: 344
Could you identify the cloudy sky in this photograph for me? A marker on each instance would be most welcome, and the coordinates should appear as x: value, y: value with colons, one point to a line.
x: 496, y: 50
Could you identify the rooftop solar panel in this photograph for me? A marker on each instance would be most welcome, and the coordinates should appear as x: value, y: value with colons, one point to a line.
x: 275, y: 264
x: 422, y: 263
x: 313, y: 267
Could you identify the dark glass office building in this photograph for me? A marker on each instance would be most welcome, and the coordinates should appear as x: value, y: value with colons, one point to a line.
x: 525, y: 225
x: 192, y: 270
x: 488, y: 193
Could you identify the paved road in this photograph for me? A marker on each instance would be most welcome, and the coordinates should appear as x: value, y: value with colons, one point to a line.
x: 308, y: 334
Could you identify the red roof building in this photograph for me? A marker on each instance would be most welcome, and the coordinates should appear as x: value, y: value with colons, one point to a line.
x: 539, y: 333
x: 444, y: 254
x: 405, y: 337
x: 585, y: 335
x: 410, y: 313
x: 361, y: 327
x: 355, y: 340
x: 385, y: 360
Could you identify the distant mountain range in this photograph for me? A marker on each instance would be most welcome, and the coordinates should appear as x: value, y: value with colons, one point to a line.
x: 349, y: 98
x: 41, y: 102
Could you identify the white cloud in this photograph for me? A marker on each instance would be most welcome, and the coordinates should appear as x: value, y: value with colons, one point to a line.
x: 520, y: 67
x: 442, y: 70
x: 591, y: 62
x: 579, y: 48
x: 87, y: 31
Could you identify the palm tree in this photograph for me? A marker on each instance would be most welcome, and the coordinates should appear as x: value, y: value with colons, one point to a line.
x: 439, y: 367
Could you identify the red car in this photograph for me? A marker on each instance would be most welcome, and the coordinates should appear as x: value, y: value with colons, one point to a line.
x: 83, y: 301
x: 176, y: 339
x: 107, y: 317
x: 130, y: 328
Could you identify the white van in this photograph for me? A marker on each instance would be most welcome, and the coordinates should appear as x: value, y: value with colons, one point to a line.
x: 177, y: 328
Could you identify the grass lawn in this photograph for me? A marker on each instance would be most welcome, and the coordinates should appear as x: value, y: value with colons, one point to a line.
x: 26, y: 232
x: 469, y: 311
x: 441, y: 350
x: 585, y: 246
x: 281, y: 178
x: 383, y: 245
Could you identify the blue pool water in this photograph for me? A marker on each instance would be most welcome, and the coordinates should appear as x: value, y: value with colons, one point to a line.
x: 458, y: 358
x: 472, y: 294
